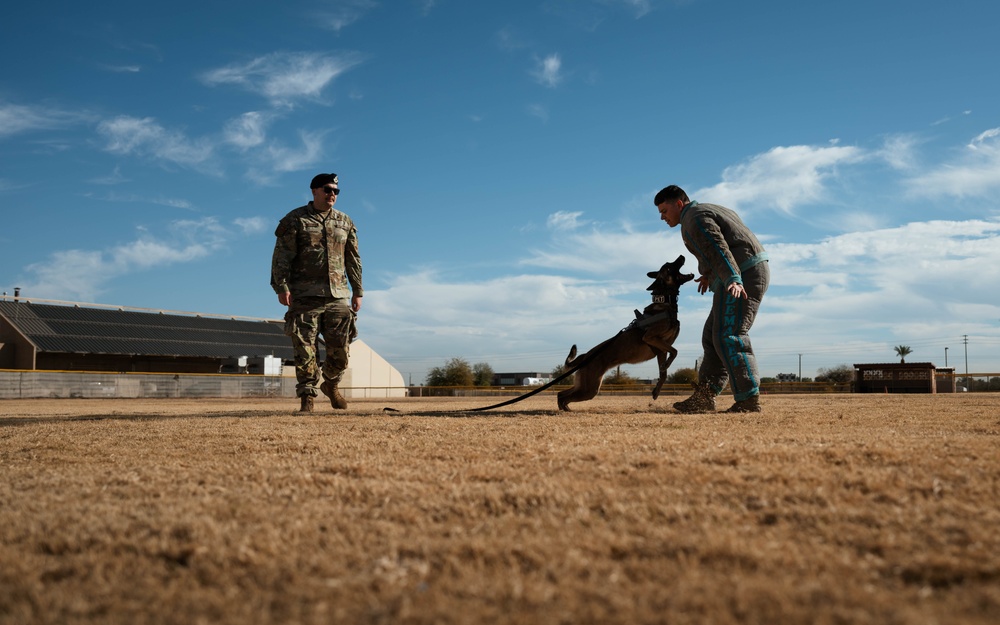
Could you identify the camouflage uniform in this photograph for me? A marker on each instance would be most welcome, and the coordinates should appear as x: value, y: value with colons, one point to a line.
x: 316, y: 259
x: 727, y: 252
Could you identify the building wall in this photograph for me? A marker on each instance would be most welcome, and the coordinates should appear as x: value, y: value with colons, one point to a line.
x: 16, y: 352
x: 895, y: 378
x: 125, y: 364
x: 370, y: 375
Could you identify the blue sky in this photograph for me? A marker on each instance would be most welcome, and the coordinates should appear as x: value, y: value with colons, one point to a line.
x: 500, y: 159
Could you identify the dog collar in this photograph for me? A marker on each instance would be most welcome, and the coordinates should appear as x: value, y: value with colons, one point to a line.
x: 663, y: 299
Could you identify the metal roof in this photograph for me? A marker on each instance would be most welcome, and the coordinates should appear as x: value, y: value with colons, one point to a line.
x: 75, y: 329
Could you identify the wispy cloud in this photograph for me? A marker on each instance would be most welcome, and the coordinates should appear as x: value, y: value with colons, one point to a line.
x: 974, y: 171
x: 19, y: 118
x: 547, y: 71
x: 131, y: 198
x: 285, y: 77
x: 638, y: 7
x: 81, y: 274
x: 252, y: 225
x: 343, y: 13
x: 564, y: 220
x: 539, y: 111
x: 247, y: 131
x: 276, y: 157
x: 145, y: 137
x: 508, y: 40
x: 123, y: 69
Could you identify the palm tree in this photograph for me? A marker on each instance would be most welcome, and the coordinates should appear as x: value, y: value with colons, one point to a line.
x: 903, y: 351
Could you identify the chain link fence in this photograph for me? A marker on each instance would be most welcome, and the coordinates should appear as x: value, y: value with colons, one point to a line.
x: 53, y: 384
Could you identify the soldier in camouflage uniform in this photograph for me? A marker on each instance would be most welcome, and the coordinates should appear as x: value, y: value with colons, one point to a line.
x: 316, y: 272
x: 733, y: 265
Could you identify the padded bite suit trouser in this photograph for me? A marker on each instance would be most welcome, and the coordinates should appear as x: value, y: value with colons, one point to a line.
x: 728, y: 353
x: 306, y: 318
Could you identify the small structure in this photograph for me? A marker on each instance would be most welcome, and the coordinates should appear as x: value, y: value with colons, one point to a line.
x: 946, y: 380
x: 895, y: 377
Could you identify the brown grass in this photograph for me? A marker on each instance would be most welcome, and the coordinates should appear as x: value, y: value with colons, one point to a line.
x: 824, y: 509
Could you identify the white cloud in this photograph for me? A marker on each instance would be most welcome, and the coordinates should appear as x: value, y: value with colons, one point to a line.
x: 783, y: 177
x: 246, y: 131
x: 564, y: 220
x: 123, y: 69
x: 285, y: 77
x: 252, y: 225
x: 972, y: 172
x: 606, y: 251
x: 141, y: 199
x: 346, y: 12
x: 82, y: 275
x: 899, y: 152
x: 985, y: 137
x: 115, y: 177
x: 547, y: 71
x: 276, y: 158
x: 17, y: 118
x: 145, y: 137
x: 841, y: 299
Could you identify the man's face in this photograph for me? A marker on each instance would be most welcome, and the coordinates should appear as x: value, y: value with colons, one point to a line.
x: 325, y: 197
x: 670, y: 211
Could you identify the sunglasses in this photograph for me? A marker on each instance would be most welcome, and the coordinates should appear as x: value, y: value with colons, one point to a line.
x: 333, y: 190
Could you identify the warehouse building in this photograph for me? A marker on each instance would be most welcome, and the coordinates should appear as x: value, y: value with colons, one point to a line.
x: 85, y: 337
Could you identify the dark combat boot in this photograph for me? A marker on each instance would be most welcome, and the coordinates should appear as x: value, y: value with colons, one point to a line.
x: 750, y: 404
x: 702, y: 400
x: 307, y: 404
x: 337, y: 400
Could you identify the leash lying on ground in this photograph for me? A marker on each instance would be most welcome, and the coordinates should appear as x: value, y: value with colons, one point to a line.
x: 565, y: 374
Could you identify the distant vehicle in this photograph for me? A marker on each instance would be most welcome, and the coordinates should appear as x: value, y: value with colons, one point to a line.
x: 535, y: 381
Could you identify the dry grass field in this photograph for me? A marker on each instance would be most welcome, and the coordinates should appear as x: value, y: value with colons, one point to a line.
x: 824, y: 509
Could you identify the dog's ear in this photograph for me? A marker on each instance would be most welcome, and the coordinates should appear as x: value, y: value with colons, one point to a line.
x: 680, y: 261
x: 652, y: 274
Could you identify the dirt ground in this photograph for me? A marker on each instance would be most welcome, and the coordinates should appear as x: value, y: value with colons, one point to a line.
x: 823, y: 509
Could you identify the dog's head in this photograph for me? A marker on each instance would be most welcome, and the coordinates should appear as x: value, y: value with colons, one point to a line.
x: 669, y: 278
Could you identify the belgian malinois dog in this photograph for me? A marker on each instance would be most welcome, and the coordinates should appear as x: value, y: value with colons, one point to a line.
x: 651, y: 334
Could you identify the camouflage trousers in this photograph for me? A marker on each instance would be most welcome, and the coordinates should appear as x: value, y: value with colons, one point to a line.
x: 728, y: 353
x: 307, y: 319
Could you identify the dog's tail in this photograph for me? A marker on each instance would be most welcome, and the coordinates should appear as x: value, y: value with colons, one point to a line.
x: 571, y: 357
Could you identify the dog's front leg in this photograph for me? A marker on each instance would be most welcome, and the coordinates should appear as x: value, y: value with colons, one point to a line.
x: 664, y: 362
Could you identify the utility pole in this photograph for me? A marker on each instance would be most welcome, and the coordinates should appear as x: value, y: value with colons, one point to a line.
x: 965, y: 340
x: 945, y: 357
x: 800, y: 367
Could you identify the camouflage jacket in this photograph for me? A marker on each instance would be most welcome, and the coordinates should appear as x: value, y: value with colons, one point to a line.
x: 721, y: 242
x: 316, y: 255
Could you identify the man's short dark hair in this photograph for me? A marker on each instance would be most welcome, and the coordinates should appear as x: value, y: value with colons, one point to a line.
x: 669, y: 194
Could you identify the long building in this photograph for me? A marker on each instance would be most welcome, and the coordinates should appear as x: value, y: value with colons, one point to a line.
x: 89, y: 337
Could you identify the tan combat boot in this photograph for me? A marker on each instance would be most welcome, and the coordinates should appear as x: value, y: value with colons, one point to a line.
x: 336, y: 399
x: 702, y: 400
x: 750, y: 404
x: 307, y: 404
